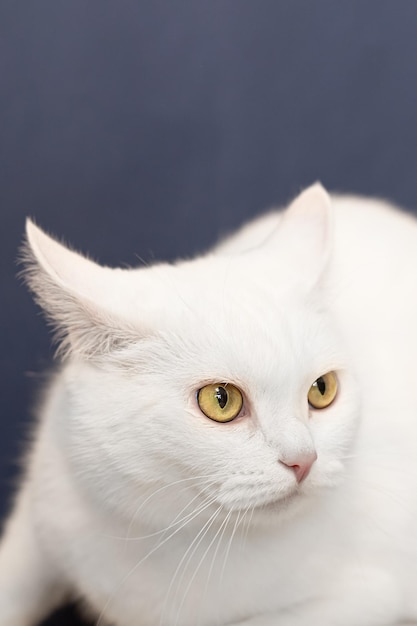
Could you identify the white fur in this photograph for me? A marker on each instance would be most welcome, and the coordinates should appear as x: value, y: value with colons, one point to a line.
x: 154, y: 515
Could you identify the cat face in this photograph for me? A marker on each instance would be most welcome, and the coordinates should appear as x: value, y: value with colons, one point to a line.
x: 143, y: 344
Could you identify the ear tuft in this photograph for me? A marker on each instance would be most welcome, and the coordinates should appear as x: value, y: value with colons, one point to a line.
x: 73, y: 292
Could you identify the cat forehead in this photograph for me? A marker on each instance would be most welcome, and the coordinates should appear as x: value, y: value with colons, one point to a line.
x: 231, y: 295
x: 225, y: 285
x: 229, y: 318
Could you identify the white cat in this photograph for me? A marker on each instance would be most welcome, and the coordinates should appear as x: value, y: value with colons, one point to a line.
x: 230, y: 440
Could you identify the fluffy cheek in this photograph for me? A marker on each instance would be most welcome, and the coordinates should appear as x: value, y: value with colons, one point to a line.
x: 125, y: 447
x: 116, y: 444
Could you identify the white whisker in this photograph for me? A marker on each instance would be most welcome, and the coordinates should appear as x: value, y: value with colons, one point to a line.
x: 152, y: 551
x: 174, y: 522
x: 226, y: 556
x: 190, y: 548
x: 246, y: 524
x: 223, y: 529
x: 185, y: 594
x: 154, y: 493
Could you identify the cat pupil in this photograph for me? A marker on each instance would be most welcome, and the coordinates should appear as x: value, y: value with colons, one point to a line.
x: 221, y: 396
x: 321, y: 385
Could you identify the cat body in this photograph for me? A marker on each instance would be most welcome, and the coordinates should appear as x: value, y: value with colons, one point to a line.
x: 153, y: 514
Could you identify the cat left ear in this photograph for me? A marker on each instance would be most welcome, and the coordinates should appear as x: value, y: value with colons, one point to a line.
x: 79, y: 296
x: 304, y: 237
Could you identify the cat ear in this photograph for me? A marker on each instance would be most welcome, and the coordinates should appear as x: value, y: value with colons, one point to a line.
x: 304, y: 237
x: 76, y: 295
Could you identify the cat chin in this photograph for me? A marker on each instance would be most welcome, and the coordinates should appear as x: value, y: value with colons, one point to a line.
x: 279, y: 511
x: 274, y: 507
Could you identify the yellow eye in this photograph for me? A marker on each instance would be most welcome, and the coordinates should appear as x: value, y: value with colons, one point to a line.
x: 221, y: 402
x: 323, y: 391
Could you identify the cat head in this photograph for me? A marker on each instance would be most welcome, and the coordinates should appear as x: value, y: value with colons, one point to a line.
x: 195, y: 378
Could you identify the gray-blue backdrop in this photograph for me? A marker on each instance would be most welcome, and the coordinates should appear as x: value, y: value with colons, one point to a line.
x: 147, y: 128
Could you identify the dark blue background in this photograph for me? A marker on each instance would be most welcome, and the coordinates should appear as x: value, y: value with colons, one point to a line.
x: 148, y: 128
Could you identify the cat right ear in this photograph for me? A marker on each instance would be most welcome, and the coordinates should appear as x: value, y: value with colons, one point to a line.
x: 77, y: 295
x: 305, y: 235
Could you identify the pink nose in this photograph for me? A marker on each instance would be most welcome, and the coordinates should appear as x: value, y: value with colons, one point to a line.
x: 301, y: 465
